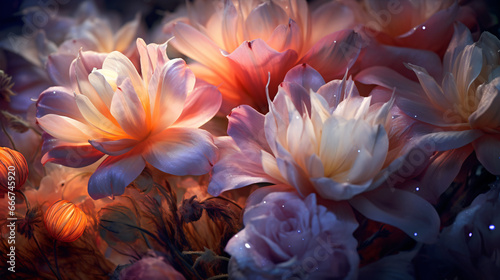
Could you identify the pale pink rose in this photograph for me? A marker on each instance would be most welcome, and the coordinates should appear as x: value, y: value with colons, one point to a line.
x: 325, y: 139
x: 463, y: 108
x: 129, y: 118
x: 290, y: 237
x: 243, y: 41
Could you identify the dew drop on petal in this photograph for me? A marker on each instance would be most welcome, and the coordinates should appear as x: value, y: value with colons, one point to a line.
x: 417, y: 189
x: 470, y: 234
x: 359, y: 151
x: 415, y: 116
x: 283, y: 205
x: 423, y: 27
x: 491, y: 227
x: 299, y: 231
x: 248, y: 246
x: 415, y: 234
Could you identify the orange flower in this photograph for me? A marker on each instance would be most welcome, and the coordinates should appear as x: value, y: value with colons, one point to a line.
x: 65, y: 221
x: 13, y: 170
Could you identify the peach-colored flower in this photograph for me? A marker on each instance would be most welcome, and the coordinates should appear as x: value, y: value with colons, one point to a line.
x: 243, y: 41
x: 13, y: 170
x: 131, y: 118
x: 64, y: 221
x: 325, y: 139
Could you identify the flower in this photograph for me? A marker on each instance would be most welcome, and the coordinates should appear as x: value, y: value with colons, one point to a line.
x: 132, y: 119
x: 324, y: 139
x: 64, y: 221
x: 13, y: 170
x: 243, y: 41
x: 151, y: 267
x: 286, y: 236
x: 463, y: 108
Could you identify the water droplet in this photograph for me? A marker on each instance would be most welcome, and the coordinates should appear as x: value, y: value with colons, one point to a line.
x: 415, y: 234
x: 470, y: 234
x: 359, y: 151
x: 297, y: 117
x: 392, y: 117
x: 334, y: 95
x: 423, y: 27
x: 299, y: 231
x: 491, y: 227
x: 415, y: 116
x: 303, y: 239
x: 289, y: 246
x: 247, y: 246
x: 335, y: 41
x: 417, y: 189
x: 235, y: 235
x: 283, y: 205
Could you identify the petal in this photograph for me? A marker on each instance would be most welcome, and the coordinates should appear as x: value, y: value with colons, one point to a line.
x: 306, y: 76
x: 102, y: 87
x: 402, y: 209
x: 95, y: 118
x: 168, y: 90
x: 333, y: 54
x: 487, y: 114
x: 201, y: 106
x: 332, y: 16
x: 263, y: 19
x: 58, y: 68
x: 114, y: 174
x: 58, y: 101
x: 68, y: 154
x: 128, y: 111
x: 66, y: 129
x: 244, y: 169
x: 114, y: 147
x: 120, y: 64
x: 487, y: 150
x: 124, y: 37
x: 253, y: 62
x: 286, y: 36
x: 330, y: 189
x: 246, y: 127
x: 181, y: 151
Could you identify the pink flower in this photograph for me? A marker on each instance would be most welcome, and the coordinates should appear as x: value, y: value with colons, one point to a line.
x: 243, y: 41
x: 132, y: 119
x: 324, y: 139
x: 287, y: 236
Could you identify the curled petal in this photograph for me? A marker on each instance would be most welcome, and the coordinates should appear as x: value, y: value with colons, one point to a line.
x: 487, y: 150
x: 58, y: 101
x: 114, y: 174
x: 306, y: 76
x: 201, y: 106
x: 402, y: 209
x: 181, y: 151
x: 245, y: 127
x: 68, y: 154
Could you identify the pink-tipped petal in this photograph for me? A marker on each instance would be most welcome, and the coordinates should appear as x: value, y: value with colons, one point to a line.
x: 286, y: 36
x: 402, y: 209
x: 58, y: 65
x: 114, y: 174
x: 263, y: 19
x: 181, y: 151
x: 66, y: 129
x: 201, y: 106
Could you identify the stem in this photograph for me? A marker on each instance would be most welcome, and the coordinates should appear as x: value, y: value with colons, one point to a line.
x: 221, y: 276
x: 45, y: 258
x: 223, y: 198
x: 55, y: 259
x: 10, y: 138
x: 25, y: 199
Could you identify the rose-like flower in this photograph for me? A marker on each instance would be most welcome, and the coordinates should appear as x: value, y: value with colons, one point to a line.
x: 133, y: 119
x: 64, y: 221
x: 13, y: 170
x: 286, y: 236
x: 243, y: 41
x: 324, y: 139
x: 151, y: 267
x: 463, y: 107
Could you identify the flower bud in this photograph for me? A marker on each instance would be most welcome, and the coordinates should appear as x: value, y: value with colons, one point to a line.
x: 13, y: 170
x: 65, y: 221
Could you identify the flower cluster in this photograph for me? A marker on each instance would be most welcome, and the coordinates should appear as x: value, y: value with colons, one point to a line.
x: 278, y: 139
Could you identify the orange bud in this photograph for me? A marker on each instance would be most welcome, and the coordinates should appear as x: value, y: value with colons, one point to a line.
x: 13, y: 170
x: 65, y: 221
